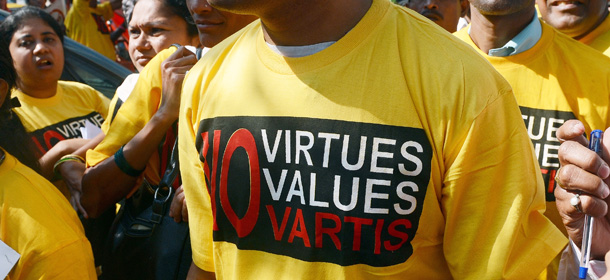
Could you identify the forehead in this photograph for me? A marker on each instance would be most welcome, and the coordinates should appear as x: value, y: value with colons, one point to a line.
x: 33, y: 27
x: 151, y: 10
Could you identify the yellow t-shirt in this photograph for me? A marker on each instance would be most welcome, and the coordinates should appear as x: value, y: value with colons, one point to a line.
x: 39, y: 223
x: 599, y: 38
x: 120, y: 96
x: 133, y: 115
x: 50, y: 120
x: 88, y: 26
x: 395, y: 153
x: 556, y: 80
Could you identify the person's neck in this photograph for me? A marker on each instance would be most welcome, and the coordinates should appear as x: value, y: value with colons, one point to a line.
x: 601, y: 19
x: 313, y: 21
x: 38, y: 91
x: 493, y: 31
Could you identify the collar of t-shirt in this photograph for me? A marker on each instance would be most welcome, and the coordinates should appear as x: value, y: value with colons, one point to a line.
x: 300, y: 51
x: 525, y: 40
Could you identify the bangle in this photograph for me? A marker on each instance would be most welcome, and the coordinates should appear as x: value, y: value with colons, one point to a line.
x: 124, y: 166
x: 63, y: 159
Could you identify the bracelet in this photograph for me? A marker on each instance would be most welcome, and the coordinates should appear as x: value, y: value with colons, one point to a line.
x: 63, y: 159
x: 124, y: 166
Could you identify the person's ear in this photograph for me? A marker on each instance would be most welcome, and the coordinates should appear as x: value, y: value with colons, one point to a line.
x: 4, y: 91
x: 465, y: 5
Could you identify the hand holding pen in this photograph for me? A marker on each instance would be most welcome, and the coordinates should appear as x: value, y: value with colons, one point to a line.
x: 584, y: 174
x: 595, y: 145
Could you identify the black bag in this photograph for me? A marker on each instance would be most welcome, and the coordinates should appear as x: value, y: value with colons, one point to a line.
x: 144, y: 241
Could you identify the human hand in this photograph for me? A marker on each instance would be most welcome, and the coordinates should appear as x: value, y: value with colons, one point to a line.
x: 583, y: 172
x: 72, y: 173
x: 178, y: 209
x: 62, y: 148
x: 173, y: 71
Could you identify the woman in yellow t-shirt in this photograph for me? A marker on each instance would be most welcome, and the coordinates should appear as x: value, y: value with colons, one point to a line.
x: 136, y: 138
x: 153, y: 25
x: 51, y: 110
x: 46, y: 238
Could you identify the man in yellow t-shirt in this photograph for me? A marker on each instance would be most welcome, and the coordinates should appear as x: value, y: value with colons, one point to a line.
x: 86, y: 24
x: 365, y: 143
x: 585, y: 21
x: 553, y: 77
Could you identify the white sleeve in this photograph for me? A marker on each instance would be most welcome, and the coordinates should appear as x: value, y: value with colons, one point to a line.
x: 570, y: 261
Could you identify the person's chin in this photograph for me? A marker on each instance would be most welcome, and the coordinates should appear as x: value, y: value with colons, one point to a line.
x: 433, y: 16
x: 208, y: 41
x: 566, y: 21
x: 142, y: 62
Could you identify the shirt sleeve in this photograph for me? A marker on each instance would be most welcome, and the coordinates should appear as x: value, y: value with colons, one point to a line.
x: 198, y: 200
x: 108, y: 119
x: 71, y: 262
x: 493, y: 199
x: 569, y: 265
x: 121, y: 94
x: 105, y: 10
x: 103, y: 104
x: 133, y: 115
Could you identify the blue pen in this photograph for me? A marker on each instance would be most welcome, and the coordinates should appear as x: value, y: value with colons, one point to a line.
x: 595, y: 144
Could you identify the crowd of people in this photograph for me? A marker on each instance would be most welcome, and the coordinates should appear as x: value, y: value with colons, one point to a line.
x: 345, y: 139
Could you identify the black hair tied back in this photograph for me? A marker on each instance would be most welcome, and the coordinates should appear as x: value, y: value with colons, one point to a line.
x: 13, y: 136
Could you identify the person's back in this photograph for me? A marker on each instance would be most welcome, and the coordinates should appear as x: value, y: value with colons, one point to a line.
x: 87, y: 25
x: 39, y: 224
x: 394, y: 152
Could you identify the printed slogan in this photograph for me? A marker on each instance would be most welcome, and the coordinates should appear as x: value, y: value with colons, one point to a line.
x: 46, y: 138
x: 542, y: 127
x: 316, y: 190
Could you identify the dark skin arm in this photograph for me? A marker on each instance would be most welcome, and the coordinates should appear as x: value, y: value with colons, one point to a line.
x: 48, y: 160
x: 105, y: 184
x: 72, y: 174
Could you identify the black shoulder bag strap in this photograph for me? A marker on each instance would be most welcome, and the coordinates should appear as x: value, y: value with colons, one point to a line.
x: 164, y: 190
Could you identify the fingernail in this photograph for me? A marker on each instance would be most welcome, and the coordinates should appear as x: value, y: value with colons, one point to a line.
x: 604, y: 171
x: 579, y: 127
x: 605, y: 191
